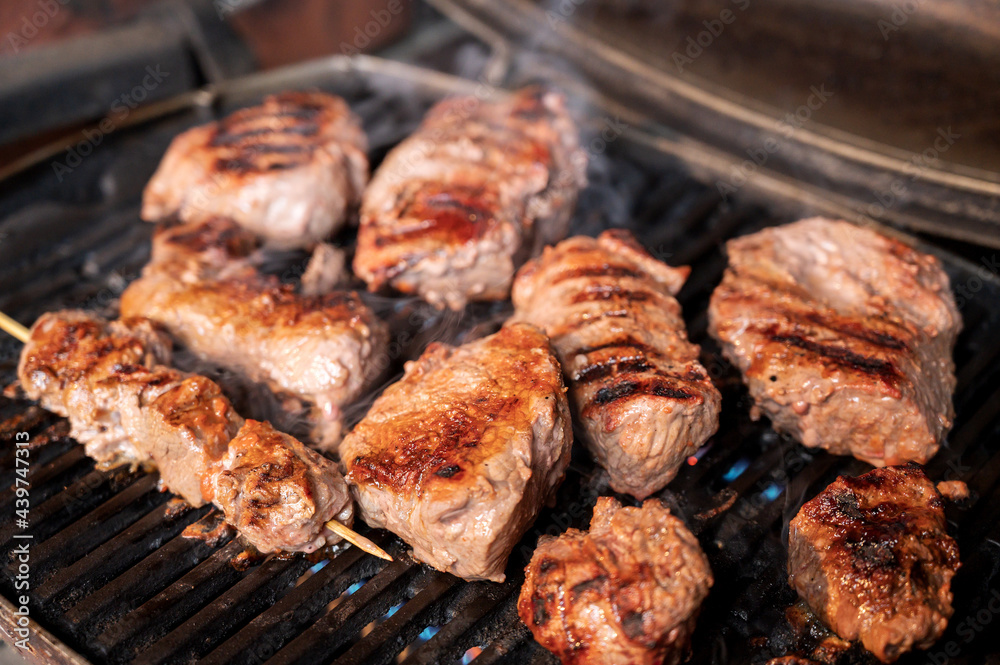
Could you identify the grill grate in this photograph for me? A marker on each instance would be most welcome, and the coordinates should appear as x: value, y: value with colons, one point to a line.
x: 112, y: 577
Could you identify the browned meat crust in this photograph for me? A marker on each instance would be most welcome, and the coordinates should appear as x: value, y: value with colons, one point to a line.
x: 872, y: 557
x: 317, y: 353
x: 478, y: 188
x: 844, y: 338
x: 625, y: 593
x: 207, y: 249
x: 289, y: 170
x: 644, y: 400
x: 458, y: 456
x: 126, y: 407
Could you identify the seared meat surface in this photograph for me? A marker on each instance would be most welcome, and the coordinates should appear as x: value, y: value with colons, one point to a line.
x: 316, y: 353
x: 644, y: 400
x: 458, y: 456
x: 872, y: 557
x: 477, y: 189
x: 844, y: 338
x: 290, y: 170
x: 126, y: 407
x: 627, y: 592
x: 209, y: 249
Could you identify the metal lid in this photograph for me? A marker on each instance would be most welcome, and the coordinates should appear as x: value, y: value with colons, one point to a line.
x: 887, y: 109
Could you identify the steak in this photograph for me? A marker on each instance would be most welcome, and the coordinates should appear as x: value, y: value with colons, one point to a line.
x: 844, y: 338
x: 289, y: 170
x: 644, y: 400
x: 458, y: 456
x: 480, y: 187
x: 872, y: 557
x: 627, y: 592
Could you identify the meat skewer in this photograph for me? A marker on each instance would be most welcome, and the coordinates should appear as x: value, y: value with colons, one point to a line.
x: 479, y: 188
x: 127, y: 407
x: 316, y: 354
x: 645, y: 401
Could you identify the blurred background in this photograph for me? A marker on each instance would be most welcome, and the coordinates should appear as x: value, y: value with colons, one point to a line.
x: 889, y: 104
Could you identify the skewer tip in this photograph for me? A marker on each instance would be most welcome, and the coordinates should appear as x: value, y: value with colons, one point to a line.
x: 11, y: 326
x: 356, y: 539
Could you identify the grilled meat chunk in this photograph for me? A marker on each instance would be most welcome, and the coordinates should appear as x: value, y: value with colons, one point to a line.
x: 126, y: 407
x: 627, y: 592
x: 290, y: 170
x: 844, y: 338
x: 480, y: 187
x: 644, y: 400
x: 316, y: 353
x: 272, y: 489
x: 458, y: 456
x: 872, y: 557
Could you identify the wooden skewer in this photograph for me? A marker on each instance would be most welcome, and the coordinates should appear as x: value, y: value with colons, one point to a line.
x: 18, y: 331
x: 356, y: 539
x: 14, y: 328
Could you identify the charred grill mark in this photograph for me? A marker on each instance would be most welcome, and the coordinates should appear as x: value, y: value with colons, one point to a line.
x: 450, y: 439
x: 603, y: 369
x: 597, y: 271
x: 546, y: 564
x: 611, y: 292
x: 636, y: 364
x: 882, y: 369
x: 627, y: 342
x: 248, y: 164
x: 540, y: 614
x: 225, y: 137
x: 873, y: 554
x: 448, y: 471
x: 847, y: 503
x: 859, y: 331
x: 457, y: 214
x: 632, y: 626
x: 281, y: 148
x: 656, y: 386
x: 595, y: 584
